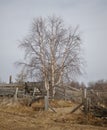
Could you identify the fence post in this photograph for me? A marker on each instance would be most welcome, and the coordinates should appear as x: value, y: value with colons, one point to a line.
x: 34, y: 91
x: 46, y: 103
x: 85, y: 101
x: 16, y: 93
x: 10, y: 79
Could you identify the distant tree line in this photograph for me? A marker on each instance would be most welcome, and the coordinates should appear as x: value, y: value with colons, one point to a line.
x: 100, y: 85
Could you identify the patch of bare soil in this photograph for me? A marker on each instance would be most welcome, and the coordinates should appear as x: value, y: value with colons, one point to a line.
x: 14, y: 116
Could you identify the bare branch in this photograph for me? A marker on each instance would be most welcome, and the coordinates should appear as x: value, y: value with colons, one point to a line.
x: 52, y: 51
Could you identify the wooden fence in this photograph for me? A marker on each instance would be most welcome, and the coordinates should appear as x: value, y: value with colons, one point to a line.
x: 89, y: 99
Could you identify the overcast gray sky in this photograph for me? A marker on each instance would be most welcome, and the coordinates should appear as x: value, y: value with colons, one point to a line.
x: 91, y: 15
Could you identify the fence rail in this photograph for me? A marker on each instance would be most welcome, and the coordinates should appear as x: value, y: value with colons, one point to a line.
x: 12, y: 85
x: 10, y: 90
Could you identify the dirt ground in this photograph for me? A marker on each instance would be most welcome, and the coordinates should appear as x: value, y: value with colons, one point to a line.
x: 15, y: 116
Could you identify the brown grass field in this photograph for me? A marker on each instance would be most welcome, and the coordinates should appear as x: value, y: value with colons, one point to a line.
x: 15, y: 116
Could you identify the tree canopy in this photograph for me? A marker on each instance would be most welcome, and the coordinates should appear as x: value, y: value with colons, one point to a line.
x: 52, y: 51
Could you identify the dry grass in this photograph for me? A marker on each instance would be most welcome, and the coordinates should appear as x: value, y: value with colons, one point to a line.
x: 14, y: 116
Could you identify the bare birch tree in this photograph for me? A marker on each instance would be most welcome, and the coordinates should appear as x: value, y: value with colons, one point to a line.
x: 52, y: 51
